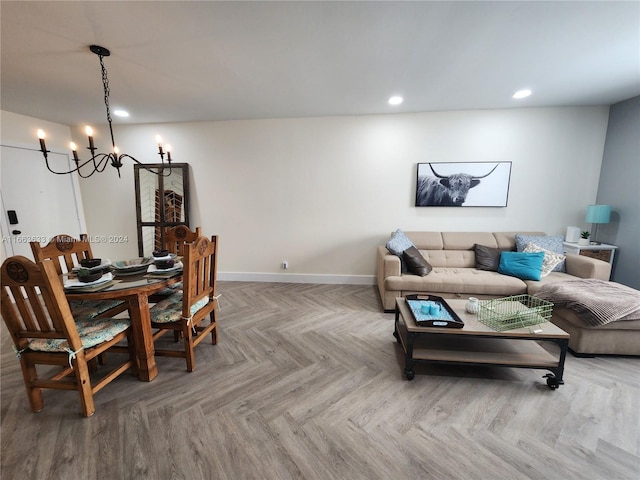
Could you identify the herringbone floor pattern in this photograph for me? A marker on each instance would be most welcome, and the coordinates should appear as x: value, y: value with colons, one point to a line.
x: 306, y: 383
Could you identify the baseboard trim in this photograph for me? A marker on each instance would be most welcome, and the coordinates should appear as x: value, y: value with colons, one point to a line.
x: 296, y: 278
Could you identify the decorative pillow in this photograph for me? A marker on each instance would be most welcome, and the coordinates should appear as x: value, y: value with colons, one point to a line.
x: 553, y: 243
x: 397, y: 244
x: 415, y: 262
x: 550, y: 259
x: 525, y: 266
x: 487, y: 258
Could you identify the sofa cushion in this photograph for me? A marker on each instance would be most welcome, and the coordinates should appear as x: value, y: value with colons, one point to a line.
x: 450, y: 258
x: 550, y: 259
x: 466, y: 240
x: 525, y: 266
x: 487, y: 258
x: 464, y: 281
x: 415, y: 262
x: 548, y: 242
x: 397, y: 244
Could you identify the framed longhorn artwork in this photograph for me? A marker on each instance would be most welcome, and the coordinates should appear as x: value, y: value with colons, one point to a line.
x: 463, y: 184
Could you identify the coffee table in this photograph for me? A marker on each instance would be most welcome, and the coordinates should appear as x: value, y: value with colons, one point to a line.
x: 477, y: 344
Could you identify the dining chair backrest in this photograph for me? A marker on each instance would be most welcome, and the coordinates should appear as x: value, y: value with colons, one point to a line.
x: 65, y: 250
x: 27, y: 313
x: 199, y: 274
x: 176, y: 237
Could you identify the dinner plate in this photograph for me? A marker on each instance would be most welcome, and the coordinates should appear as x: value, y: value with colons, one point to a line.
x: 176, y: 267
x: 133, y: 265
x: 73, y: 283
x: 131, y: 272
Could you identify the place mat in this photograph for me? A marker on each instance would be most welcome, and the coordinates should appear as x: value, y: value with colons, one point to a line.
x: 93, y: 288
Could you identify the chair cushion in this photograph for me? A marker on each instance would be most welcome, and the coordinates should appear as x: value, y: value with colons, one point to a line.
x: 92, y: 332
x: 170, y: 309
x: 170, y: 290
x: 88, y: 309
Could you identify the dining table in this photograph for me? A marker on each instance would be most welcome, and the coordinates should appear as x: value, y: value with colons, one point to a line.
x: 135, y: 290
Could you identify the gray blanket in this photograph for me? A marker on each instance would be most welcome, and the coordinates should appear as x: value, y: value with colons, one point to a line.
x: 596, y: 302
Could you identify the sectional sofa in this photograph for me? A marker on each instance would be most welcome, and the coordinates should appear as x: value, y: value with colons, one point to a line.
x: 452, y: 256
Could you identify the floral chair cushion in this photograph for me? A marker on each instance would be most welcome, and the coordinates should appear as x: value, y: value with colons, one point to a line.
x: 170, y: 309
x: 170, y: 290
x: 88, y: 309
x: 92, y: 332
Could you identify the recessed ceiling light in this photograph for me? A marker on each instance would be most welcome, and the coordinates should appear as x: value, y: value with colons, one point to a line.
x: 121, y: 113
x: 395, y: 100
x: 522, y: 93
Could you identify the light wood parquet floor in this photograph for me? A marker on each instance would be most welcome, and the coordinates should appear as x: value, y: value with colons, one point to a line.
x: 306, y: 383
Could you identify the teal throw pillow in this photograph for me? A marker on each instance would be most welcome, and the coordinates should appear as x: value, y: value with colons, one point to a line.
x: 525, y: 266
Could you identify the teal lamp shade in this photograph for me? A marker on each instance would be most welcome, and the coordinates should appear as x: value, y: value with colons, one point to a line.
x: 598, y: 214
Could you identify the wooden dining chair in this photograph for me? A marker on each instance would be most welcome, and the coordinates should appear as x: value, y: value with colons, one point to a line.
x: 175, y: 238
x: 186, y: 312
x: 44, y: 332
x: 66, y: 252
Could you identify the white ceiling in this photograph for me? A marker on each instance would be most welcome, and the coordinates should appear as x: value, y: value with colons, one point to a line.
x: 181, y: 61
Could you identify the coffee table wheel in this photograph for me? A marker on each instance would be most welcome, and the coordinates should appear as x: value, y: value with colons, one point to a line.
x: 410, y: 374
x: 552, y: 382
x: 395, y: 334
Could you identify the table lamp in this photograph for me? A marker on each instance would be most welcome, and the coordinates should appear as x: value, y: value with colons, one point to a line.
x: 597, y: 214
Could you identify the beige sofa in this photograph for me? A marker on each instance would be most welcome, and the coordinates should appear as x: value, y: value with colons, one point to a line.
x: 452, y: 256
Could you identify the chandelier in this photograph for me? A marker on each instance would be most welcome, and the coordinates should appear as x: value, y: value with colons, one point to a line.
x: 99, y: 161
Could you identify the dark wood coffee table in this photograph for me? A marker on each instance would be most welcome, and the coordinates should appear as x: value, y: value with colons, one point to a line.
x: 477, y: 344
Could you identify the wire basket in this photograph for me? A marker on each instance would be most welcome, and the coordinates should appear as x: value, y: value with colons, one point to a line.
x: 513, y: 312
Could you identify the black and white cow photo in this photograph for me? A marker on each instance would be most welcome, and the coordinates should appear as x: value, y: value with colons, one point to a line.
x: 463, y: 184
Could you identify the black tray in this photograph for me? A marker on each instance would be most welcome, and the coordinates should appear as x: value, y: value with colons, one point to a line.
x: 446, y: 319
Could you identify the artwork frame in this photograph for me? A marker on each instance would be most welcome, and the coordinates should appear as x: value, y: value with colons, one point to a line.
x: 463, y: 184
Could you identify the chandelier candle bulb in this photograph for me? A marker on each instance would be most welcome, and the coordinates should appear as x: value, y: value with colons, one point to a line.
x: 41, y: 136
x: 168, y: 149
x: 89, y: 132
x: 74, y: 150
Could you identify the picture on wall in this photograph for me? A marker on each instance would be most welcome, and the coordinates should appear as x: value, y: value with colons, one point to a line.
x: 463, y: 184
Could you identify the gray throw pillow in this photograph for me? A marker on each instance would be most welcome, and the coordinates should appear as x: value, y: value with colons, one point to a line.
x: 415, y: 262
x: 487, y: 258
x: 397, y: 244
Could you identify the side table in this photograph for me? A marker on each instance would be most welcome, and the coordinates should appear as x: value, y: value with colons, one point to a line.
x: 601, y: 252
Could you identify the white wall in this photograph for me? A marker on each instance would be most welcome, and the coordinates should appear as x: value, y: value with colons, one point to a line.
x: 21, y: 131
x: 323, y: 192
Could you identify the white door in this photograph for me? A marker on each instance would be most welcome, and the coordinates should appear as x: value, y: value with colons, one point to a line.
x: 36, y: 204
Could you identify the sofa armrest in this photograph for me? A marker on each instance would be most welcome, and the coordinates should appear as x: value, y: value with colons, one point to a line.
x: 388, y: 264
x: 587, y: 267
